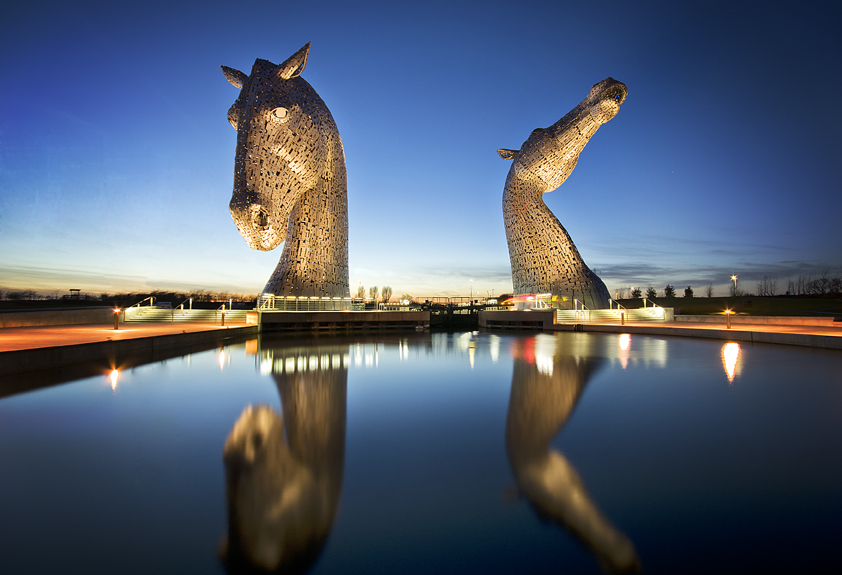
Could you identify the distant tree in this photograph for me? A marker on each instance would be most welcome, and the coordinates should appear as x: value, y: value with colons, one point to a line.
x: 820, y: 285
x: 386, y: 294
x: 372, y: 292
x: 651, y: 293
x: 361, y: 291
x: 734, y: 289
x: 688, y: 292
x: 407, y: 297
x: 669, y: 291
x: 636, y: 293
x: 26, y: 294
x: 709, y: 290
x: 767, y: 287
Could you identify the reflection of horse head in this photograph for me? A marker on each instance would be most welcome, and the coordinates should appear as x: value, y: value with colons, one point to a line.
x: 283, y: 488
x: 545, y: 388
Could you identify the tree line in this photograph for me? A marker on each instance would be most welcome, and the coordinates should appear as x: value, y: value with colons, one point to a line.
x: 129, y: 298
x: 823, y: 284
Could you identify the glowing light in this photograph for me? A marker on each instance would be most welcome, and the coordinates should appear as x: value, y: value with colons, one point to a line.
x: 495, y: 348
x: 625, y: 341
x: 221, y: 359
x: 730, y: 354
x: 114, y: 375
x: 625, y: 344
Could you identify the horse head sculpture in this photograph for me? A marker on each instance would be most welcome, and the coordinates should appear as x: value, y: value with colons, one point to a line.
x: 543, y: 257
x: 289, y: 178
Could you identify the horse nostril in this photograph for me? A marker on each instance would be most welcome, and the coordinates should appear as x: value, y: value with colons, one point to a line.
x: 260, y: 219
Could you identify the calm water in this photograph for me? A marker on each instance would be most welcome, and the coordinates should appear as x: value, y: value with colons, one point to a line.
x: 433, y: 453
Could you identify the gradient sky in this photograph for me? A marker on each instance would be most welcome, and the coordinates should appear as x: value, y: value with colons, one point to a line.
x: 116, y: 159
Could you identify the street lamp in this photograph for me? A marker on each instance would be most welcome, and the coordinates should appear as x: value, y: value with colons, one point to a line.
x: 472, y: 289
x: 734, y: 278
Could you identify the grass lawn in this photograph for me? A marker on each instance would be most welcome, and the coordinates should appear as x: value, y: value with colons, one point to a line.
x: 748, y: 305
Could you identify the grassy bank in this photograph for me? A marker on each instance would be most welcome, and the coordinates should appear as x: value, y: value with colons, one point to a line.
x: 748, y: 305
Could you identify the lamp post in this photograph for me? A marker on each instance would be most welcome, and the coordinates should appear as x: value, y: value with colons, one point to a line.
x: 728, y: 313
x: 116, y: 317
x: 734, y: 278
x: 472, y: 289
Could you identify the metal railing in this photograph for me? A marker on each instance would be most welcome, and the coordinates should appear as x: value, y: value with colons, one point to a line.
x: 309, y: 303
x: 133, y: 309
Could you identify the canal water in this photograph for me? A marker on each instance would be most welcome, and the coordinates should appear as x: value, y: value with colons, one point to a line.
x: 432, y: 453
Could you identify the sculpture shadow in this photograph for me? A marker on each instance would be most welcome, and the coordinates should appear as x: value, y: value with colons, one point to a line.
x: 284, y: 473
x: 546, y: 386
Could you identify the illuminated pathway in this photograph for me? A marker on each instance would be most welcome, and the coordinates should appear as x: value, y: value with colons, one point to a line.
x: 19, y: 338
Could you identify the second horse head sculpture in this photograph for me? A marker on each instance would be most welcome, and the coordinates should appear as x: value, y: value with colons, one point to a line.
x: 543, y: 257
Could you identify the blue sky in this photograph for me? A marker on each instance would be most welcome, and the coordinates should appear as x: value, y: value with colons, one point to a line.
x: 116, y: 159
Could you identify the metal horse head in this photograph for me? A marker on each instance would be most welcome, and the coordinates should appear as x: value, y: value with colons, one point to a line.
x: 543, y: 256
x: 289, y: 177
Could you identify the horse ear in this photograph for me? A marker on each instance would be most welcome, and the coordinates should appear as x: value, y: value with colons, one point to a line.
x: 507, y: 154
x: 294, y: 65
x: 237, y: 78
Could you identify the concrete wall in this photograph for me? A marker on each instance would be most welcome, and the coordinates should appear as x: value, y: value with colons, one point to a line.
x: 798, y: 339
x: 111, y: 351
x: 314, y: 320
x: 56, y: 317
x: 532, y: 319
x: 760, y: 320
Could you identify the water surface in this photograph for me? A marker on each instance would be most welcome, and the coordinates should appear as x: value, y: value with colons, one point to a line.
x: 421, y: 453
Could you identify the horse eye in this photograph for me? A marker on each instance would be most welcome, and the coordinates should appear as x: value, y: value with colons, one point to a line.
x: 280, y: 114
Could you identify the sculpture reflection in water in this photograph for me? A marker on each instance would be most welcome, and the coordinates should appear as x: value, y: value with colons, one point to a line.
x: 546, y: 386
x: 284, y: 475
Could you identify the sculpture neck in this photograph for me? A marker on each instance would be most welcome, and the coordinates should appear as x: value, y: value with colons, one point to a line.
x: 314, y: 261
x: 539, y: 246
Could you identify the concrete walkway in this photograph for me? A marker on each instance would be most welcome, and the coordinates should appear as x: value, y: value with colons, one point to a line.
x: 20, y: 338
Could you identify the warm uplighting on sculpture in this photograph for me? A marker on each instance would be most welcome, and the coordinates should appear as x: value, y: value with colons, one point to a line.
x: 289, y: 178
x: 542, y: 255
x: 730, y: 355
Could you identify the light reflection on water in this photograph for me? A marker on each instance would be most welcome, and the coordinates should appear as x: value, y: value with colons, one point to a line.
x: 394, y: 453
x: 730, y: 355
